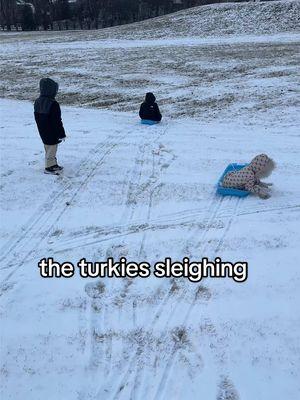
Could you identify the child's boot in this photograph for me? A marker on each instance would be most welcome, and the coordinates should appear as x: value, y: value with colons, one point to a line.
x: 51, y: 170
x: 58, y: 167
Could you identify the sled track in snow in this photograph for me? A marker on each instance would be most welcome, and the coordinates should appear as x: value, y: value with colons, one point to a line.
x: 106, y: 348
x: 154, y: 187
x: 115, y: 232
x: 136, y: 175
x: 116, y: 393
x: 51, y: 201
x: 127, y: 228
x: 133, y: 369
x: 51, y: 214
x: 186, y: 317
x: 174, y: 352
x: 130, y: 202
x: 149, y: 207
x: 220, y: 242
x: 169, y: 221
x: 132, y: 373
x: 133, y: 376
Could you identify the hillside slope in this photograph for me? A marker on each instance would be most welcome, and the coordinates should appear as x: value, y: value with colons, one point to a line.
x: 204, y: 65
x: 205, y: 21
x: 227, y: 74
x: 219, y: 20
x: 147, y: 193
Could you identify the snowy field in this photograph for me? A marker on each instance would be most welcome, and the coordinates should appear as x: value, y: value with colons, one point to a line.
x: 147, y: 193
x: 229, y: 61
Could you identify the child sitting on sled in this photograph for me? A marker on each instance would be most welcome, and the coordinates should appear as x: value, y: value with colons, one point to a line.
x: 149, y: 110
x: 248, y: 178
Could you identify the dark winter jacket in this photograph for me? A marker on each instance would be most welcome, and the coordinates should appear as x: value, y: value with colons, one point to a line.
x: 149, y: 109
x: 47, y: 113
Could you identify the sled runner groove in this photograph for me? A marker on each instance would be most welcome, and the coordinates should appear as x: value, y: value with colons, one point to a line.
x: 36, y: 223
x: 214, y: 207
x: 144, y: 148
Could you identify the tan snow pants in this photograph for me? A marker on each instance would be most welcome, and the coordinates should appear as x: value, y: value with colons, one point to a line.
x: 50, y: 155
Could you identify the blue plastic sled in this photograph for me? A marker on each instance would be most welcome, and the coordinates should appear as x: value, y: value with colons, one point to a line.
x: 148, y: 122
x: 229, y: 191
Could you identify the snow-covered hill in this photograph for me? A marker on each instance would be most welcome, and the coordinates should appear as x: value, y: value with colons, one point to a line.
x: 206, y: 21
x: 147, y: 193
x: 224, y: 60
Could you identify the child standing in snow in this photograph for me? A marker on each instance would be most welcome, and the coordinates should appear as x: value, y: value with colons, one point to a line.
x: 248, y: 178
x: 48, y: 119
x: 149, y: 109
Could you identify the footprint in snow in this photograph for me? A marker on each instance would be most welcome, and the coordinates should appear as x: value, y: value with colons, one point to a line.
x: 94, y: 289
x: 227, y: 391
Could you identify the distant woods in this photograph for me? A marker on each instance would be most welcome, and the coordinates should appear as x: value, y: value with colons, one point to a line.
x: 84, y: 14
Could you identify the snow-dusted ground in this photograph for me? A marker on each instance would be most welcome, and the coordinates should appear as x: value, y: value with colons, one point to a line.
x: 147, y: 193
x: 226, y: 60
x: 224, y: 19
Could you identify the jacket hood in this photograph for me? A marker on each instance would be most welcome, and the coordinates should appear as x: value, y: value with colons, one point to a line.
x: 259, y: 163
x: 48, y: 88
x: 48, y: 91
x: 150, y: 98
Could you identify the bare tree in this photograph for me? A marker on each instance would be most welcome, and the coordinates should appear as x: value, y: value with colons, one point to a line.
x: 87, y: 13
x: 8, y: 13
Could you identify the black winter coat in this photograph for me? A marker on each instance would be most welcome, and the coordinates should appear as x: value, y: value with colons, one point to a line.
x: 50, y: 125
x: 149, y: 109
x: 47, y: 113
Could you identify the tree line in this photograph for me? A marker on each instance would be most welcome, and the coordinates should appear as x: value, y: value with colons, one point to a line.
x: 84, y: 14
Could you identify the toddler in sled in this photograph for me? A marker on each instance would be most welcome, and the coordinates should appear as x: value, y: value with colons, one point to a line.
x: 248, y: 177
